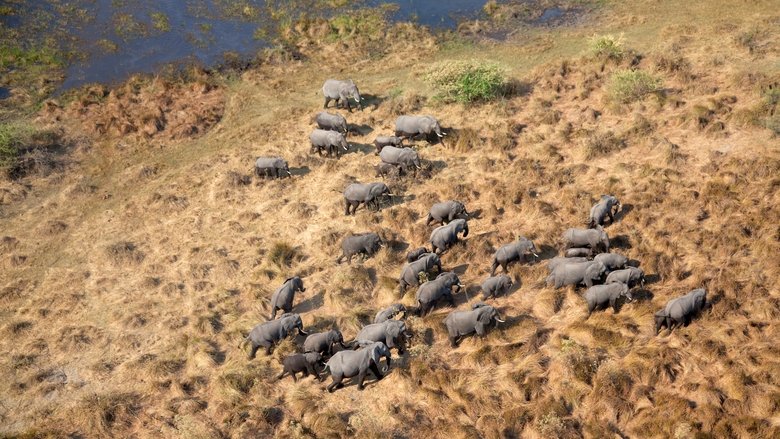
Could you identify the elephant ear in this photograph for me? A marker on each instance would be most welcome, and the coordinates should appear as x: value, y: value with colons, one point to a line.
x: 376, y: 353
x: 485, y: 314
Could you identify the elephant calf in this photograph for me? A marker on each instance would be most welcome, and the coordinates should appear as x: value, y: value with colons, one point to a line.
x: 282, y: 298
x: 390, y: 312
x: 415, y: 254
x: 603, y: 209
x: 599, y: 296
x: 369, y: 194
x: 323, y: 342
x: 382, y: 141
x: 512, y: 252
x: 268, y: 334
x: 681, y: 310
x: 306, y: 363
x: 576, y: 273
x: 612, y: 260
x: 348, y: 364
x: 495, y: 286
x: 332, y: 122
x: 432, y: 291
x: 409, y: 274
x: 272, y: 167
x: 444, y: 237
x: 446, y: 212
x: 460, y: 323
x: 386, y: 170
x: 366, y: 244
x: 592, y: 238
x: 630, y: 276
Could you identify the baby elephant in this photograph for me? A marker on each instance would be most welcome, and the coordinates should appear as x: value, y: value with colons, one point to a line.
x: 440, y: 288
x: 444, y: 237
x: 272, y: 166
x: 386, y: 170
x: 390, y: 312
x: 382, y: 141
x: 578, y: 252
x: 416, y: 253
x: 366, y: 244
x: 495, y: 286
x: 306, y: 363
x: 612, y: 260
x: 681, y: 310
x: 630, y: 276
x: 323, y: 342
x: 599, y: 296
x: 332, y: 122
x: 603, y: 209
x: 283, y: 297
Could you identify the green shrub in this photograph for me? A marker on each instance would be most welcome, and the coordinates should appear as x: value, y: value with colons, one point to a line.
x: 625, y: 86
x: 607, y: 47
x: 11, y: 139
x: 466, y: 81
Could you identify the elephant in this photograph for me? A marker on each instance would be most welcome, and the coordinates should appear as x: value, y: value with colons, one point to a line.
x: 409, y: 274
x: 341, y: 92
x: 512, y: 252
x: 268, y: 334
x: 553, y: 263
x: 364, y: 244
x: 602, y: 209
x: 460, y: 323
x: 577, y: 273
x: 446, y: 212
x: 332, y: 122
x: 679, y: 311
x: 579, y: 252
x: 272, y: 166
x: 599, y: 296
x: 661, y: 318
x: 495, y: 286
x: 444, y: 237
x: 367, y: 193
x: 411, y: 126
x: 612, y: 260
x: 347, y: 364
x: 306, y: 363
x: 283, y: 297
x: 403, y: 158
x: 390, y: 312
x: 629, y: 276
x: 593, y: 238
x: 382, y: 141
x: 391, y: 332
x: 430, y: 292
x: 416, y: 253
x: 386, y: 170
x: 323, y: 342
x: 330, y: 141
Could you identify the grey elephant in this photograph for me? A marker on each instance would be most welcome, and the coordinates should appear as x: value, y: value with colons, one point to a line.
x: 495, y: 286
x: 404, y: 158
x: 612, y: 260
x: 681, y: 310
x: 283, y: 297
x: 432, y: 291
x: 391, y: 332
x: 446, y: 212
x: 348, y: 364
x: 390, y: 312
x: 382, y: 141
x: 332, y: 122
x: 661, y: 318
x: 341, y: 92
x: 577, y: 273
x: 412, y: 126
x: 601, y: 296
x: 328, y: 141
x: 268, y: 334
x: 410, y: 272
x: 579, y: 252
x: 386, y: 170
x: 444, y: 237
x: 366, y: 244
x: 272, y: 166
x: 593, y: 238
x: 557, y: 261
x: 323, y: 342
x: 306, y: 363
x: 630, y: 276
x: 603, y: 209
x: 512, y: 252
x: 478, y: 319
x: 370, y: 194
x: 415, y: 254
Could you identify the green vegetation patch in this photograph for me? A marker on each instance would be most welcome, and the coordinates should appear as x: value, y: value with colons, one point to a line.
x: 367, y: 23
x: 607, y: 47
x: 467, y: 81
x: 11, y: 139
x: 160, y: 21
x: 626, y: 86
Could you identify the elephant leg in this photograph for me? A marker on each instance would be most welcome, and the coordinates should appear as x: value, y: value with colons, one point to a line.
x: 453, y: 341
x: 335, y: 383
x: 480, y: 329
x: 268, y: 349
x: 376, y: 371
x: 253, y: 351
x: 361, y: 378
x: 451, y: 300
x: 504, y: 265
x: 346, y: 207
x: 295, y: 377
x: 273, y: 312
x: 327, y: 101
x: 613, y: 304
x: 493, y: 267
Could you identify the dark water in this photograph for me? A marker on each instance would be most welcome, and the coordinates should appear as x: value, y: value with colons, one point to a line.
x: 4, y: 93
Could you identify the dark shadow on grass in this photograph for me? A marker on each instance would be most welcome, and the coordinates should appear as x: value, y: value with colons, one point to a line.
x: 360, y: 129
x: 310, y: 304
x: 303, y: 170
x: 620, y: 241
x: 624, y: 210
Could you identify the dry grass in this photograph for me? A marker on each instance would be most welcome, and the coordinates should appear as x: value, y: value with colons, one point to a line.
x: 128, y: 279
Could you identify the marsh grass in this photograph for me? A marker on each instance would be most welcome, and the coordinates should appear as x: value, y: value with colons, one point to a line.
x: 467, y: 81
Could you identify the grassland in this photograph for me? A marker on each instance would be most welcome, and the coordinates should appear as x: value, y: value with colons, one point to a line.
x: 132, y: 270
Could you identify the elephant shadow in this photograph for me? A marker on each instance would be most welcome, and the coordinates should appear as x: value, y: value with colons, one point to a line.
x: 303, y: 170
x: 634, y: 263
x: 355, y: 148
x: 624, y: 210
x: 477, y: 214
x: 468, y: 293
x: 547, y: 252
x: 620, y: 241
x: 399, y: 199
x: 374, y: 100
x: 652, y: 278
x: 360, y: 129
x: 460, y: 270
x: 397, y: 246
x: 642, y: 295
x: 310, y: 304
x: 516, y: 285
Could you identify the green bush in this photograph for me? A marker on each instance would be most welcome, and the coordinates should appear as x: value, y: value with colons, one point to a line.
x: 607, y: 47
x: 625, y: 86
x: 466, y: 81
x: 10, y: 141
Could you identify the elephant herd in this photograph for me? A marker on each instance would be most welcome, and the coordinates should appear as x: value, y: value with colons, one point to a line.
x: 587, y: 261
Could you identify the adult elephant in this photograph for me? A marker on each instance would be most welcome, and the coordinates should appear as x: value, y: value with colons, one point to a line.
x: 681, y: 310
x: 434, y: 290
x: 612, y: 261
x: 272, y: 167
x: 444, y: 237
x: 390, y: 312
x: 331, y: 122
x: 577, y: 273
x: 282, y: 298
x: 557, y: 261
x: 381, y: 141
x: 630, y: 276
x: 341, y: 92
x: 512, y: 252
x: 593, y: 238
x: 268, y: 334
x: 404, y: 158
x: 328, y: 141
x: 391, y: 332
x: 348, y: 364
x: 446, y: 212
x: 495, y: 286
x: 607, y: 206
x: 366, y: 244
x: 366, y: 193
x: 411, y: 126
x: 478, y: 319
x: 323, y: 342
x: 601, y: 296
x: 410, y: 272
